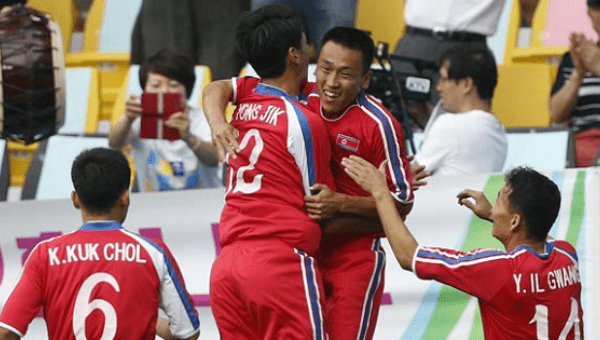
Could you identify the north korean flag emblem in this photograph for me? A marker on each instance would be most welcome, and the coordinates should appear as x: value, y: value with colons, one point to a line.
x: 347, y: 143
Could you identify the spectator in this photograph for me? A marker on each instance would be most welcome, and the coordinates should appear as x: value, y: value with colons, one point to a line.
x: 575, y: 97
x: 201, y: 30
x: 433, y: 26
x: 319, y: 15
x: 70, y: 286
x: 517, y: 288
x: 469, y: 139
x: 188, y: 163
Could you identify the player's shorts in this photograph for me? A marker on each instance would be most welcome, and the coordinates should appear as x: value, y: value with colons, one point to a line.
x: 353, y: 282
x: 265, y: 289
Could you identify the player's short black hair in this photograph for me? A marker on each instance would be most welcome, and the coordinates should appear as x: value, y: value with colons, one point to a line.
x: 474, y: 61
x: 171, y: 65
x: 264, y: 37
x: 100, y: 176
x: 536, y: 198
x: 355, y: 39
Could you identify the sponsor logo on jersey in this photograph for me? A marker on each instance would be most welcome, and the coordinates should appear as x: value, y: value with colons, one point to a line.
x: 347, y: 143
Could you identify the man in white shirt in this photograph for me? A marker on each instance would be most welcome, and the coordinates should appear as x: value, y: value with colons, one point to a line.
x: 470, y: 138
x: 433, y: 26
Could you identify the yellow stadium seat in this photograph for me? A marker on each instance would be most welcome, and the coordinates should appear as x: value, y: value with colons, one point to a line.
x: 383, y: 18
x: 522, y: 95
x: 63, y: 12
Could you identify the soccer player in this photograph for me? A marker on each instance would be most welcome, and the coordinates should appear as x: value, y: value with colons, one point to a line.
x: 530, y: 291
x: 357, y: 124
x: 264, y: 284
x: 101, y: 281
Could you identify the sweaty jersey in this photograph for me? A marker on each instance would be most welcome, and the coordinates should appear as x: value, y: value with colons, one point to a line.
x: 282, y: 153
x: 100, y: 281
x: 522, y: 294
x: 366, y: 129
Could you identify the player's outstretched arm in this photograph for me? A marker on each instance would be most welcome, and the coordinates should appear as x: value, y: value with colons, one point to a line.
x: 481, y: 206
x: 341, y: 214
x: 163, y: 331
x: 5, y: 334
x: 215, y: 97
x: 374, y: 181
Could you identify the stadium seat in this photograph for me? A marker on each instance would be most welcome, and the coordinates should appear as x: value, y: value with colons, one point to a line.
x: 106, y: 44
x: 552, y: 23
x: 4, y: 170
x: 131, y: 85
x: 384, y: 19
x: 49, y: 175
x: 63, y: 12
x: 522, y: 95
x: 82, y: 101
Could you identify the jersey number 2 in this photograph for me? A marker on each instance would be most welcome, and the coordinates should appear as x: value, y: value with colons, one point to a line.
x: 83, y: 307
x: 255, y: 184
x: 541, y: 320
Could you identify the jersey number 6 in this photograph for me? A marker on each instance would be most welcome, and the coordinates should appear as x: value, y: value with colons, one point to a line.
x: 83, y: 307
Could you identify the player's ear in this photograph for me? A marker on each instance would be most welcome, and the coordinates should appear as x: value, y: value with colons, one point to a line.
x: 516, y: 222
x: 366, y: 81
x: 124, y: 198
x: 76, y: 200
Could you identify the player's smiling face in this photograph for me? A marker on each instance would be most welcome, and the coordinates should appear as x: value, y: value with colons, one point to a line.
x: 340, y: 78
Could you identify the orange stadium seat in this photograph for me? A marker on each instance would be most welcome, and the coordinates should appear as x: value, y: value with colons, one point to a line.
x: 383, y: 18
x: 63, y: 12
x: 522, y: 95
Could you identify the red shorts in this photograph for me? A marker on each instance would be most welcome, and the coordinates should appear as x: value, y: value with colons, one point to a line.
x: 353, y: 282
x: 266, y: 290
x: 586, y: 147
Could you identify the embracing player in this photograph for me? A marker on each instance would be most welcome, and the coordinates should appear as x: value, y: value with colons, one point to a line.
x: 101, y: 281
x: 264, y: 284
x: 357, y: 124
x: 530, y: 291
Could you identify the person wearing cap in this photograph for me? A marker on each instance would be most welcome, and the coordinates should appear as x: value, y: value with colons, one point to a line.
x: 575, y: 99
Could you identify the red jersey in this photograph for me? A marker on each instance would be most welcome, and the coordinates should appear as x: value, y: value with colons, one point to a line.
x: 522, y: 295
x: 100, y: 281
x: 282, y: 153
x: 366, y: 129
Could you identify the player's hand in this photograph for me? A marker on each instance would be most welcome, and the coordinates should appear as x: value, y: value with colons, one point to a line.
x: 366, y: 175
x: 418, y: 173
x: 180, y: 121
x: 323, y: 204
x: 225, y: 139
x: 477, y: 202
x: 133, y: 108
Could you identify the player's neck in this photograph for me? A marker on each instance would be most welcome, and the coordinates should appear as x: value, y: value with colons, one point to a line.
x: 537, y: 246
x: 288, y: 82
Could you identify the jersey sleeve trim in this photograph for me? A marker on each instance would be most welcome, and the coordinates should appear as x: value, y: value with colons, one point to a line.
x: 391, y: 140
x: 12, y: 329
x: 414, y: 260
x: 179, y: 287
